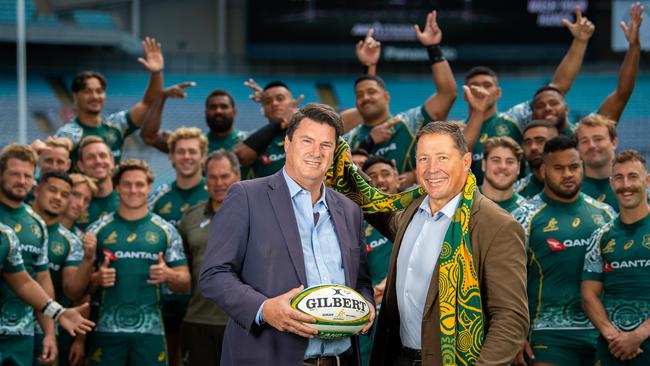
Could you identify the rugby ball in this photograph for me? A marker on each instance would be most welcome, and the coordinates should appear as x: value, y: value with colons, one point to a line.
x: 339, y: 310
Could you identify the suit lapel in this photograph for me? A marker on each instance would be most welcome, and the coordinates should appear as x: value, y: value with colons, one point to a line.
x: 340, y: 226
x: 283, y: 209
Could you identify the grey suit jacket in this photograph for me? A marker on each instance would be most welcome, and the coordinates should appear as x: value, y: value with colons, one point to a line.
x: 499, y: 257
x: 254, y: 253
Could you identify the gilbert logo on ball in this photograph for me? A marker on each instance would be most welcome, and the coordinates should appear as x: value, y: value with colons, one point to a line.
x: 339, y: 310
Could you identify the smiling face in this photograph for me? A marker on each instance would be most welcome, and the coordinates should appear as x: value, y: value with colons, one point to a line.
x: 441, y: 168
x: 384, y: 177
x: 310, y: 152
x: 595, y: 145
x: 80, y: 197
x: 629, y: 181
x: 54, y: 158
x: 53, y: 196
x: 187, y: 158
x: 501, y: 168
x: 91, y: 98
x: 276, y: 102
x: 551, y: 106
x: 133, y: 189
x: 371, y: 99
x: 562, y: 172
x: 17, y: 179
x: 219, y: 176
x: 96, y: 161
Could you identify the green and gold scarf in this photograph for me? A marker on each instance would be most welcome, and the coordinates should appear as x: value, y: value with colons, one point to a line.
x: 461, y: 315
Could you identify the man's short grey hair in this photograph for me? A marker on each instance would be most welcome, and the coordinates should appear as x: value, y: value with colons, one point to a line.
x: 444, y: 128
x: 223, y: 154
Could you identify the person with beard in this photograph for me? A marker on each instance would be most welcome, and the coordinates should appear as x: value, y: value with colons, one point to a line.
x: 548, y: 102
x: 89, y: 96
x: 558, y: 223
x: 17, y: 167
x: 82, y: 193
x: 390, y: 136
x: 96, y: 161
x: 615, y: 286
x: 204, y: 323
x: 536, y: 134
x: 70, y: 262
x: 139, y: 251
x: 597, y: 142
x: 187, y: 152
x: 501, y: 163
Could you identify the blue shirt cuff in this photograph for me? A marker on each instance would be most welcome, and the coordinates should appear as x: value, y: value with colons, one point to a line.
x: 258, y: 317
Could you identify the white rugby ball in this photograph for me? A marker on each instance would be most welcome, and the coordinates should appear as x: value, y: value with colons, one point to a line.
x: 339, y: 310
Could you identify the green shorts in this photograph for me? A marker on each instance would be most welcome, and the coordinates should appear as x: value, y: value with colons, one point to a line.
x: 604, y: 358
x: 173, y: 311
x: 126, y: 349
x: 16, y: 350
x: 564, y: 347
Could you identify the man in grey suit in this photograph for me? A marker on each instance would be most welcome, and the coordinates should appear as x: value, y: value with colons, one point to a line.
x: 276, y: 235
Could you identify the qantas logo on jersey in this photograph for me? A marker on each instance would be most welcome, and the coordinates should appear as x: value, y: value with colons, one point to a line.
x: 634, y: 263
x: 551, y: 226
x: 136, y: 255
x: 376, y: 243
x: 268, y: 159
x: 607, y: 267
x: 555, y: 245
x: 27, y: 248
x: 385, y: 150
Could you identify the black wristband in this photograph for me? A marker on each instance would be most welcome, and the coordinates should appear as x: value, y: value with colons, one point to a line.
x: 260, y: 139
x: 435, y: 54
x: 366, y: 144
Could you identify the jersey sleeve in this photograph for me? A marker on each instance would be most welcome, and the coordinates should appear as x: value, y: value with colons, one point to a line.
x: 14, y: 261
x: 523, y: 215
x: 415, y: 118
x: 522, y: 113
x: 155, y: 196
x: 122, y: 121
x: 175, y: 253
x: 76, y: 253
x: 71, y: 131
x: 42, y: 261
x: 594, y: 263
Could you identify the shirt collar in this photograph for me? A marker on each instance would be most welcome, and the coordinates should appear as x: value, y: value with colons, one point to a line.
x: 447, y: 210
x: 295, y: 188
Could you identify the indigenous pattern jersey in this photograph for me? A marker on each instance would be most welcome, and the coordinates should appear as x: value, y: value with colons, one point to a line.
x: 401, y: 146
x: 512, y: 203
x: 64, y: 249
x: 133, y: 305
x: 99, y: 207
x: 619, y: 257
x: 378, y: 249
x: 270, y: 161
x: 498, y: 125
x: 228, y: 143
x: 528, y: 186
x: 171, y: 203
x: 112, y: 129
x: 523, y: 114
x: 10, y: 259
x: 16, y: 317
x: 600, y: 190
x: 557, y: 235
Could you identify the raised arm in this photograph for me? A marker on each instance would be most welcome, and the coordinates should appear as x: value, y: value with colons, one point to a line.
x: 440, y: 102
x: 154, y: 63
x: 568, y: 69
x: 478, y: 99
x: 615, y: 103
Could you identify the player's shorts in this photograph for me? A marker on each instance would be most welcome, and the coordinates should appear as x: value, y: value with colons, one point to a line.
x: 16, y: 350
x: 173, y: 311
x: 564, y: 347
x: 112, y: 349
x: 605, y: 358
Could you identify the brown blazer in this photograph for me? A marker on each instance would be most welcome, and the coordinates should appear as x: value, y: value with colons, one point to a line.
x: 498, y: 251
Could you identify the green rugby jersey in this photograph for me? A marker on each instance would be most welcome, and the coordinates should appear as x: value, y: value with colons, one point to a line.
x: 401, y: 146
x: 112, y: 129
x: 16, y: 317
x: 228, y: 143
x: 64, y: 249
x: 511, y: 203
x: 170, y: 202
x: 523, y: 114
x: 99, y: 207
x: 270, y: 161
x: 600, y: 190
x: 378, y: 249
x: 557, y: 235
x: 132, y: 305
x: 10, y: 259
x: 498, y: 125
x: 619, y: 257
x: 528, y: 186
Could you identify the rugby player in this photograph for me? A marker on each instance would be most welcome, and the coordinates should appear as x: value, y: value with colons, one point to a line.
x: 500, y: 165
x: 536, y: 134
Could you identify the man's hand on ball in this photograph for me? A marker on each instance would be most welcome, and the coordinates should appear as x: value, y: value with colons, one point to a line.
x: 278, y: 312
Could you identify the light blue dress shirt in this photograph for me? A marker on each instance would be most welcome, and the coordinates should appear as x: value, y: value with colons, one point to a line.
x: 417, y: 258
x: 321, y: 253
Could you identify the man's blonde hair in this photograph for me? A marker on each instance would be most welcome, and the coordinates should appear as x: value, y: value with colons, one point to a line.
x: 58, y: 142
x: 84, y: 179
x: 187, y: 133
x: 598, y: 120
x: 89, y: 140
x: 17, y: 151
x: 505, y: 142
x: 132, y: 164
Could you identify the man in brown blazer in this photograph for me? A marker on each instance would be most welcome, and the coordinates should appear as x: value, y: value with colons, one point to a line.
x: 409, y: 325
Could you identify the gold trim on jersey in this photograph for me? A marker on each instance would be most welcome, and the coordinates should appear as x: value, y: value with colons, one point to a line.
x: 576, y: 222
x: 551, y: 225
